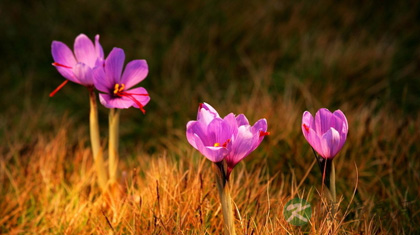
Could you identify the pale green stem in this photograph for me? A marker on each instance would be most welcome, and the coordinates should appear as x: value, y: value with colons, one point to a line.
x: 95, y: 141
x: 333, y: 191
x: 114, y: 121
x: 225, y: 199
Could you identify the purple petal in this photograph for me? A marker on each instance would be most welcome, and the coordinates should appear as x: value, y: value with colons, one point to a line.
x: 85, y: 50
x: 259, y: 127
x: 341, y: 124
x: 218, y: 132
x: 134, y: 72
x: 242, y: 145
x: 231, y: 124
x: 323, y: 119
x: 242, y: 120
x: 114, y: 64
x: 214, y: 154
x: 98, y: 48
x: 100, y: 81
x: 138, y: 94
x: 115, y: 102
x: 64, y: 56
x: 209, y: 114
x: 330, y: 143
x: 195, y: 128
x: 83, y: 74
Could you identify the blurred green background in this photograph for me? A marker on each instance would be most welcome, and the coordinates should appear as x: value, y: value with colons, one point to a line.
x: 353, y: 52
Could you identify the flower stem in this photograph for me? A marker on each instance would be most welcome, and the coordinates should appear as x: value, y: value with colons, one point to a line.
x: 114, y: 121
x: 95, y: 141
x: 225, y: 199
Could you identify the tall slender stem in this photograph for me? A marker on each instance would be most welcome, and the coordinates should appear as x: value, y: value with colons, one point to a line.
x: 95, y: 140
x: 225, y: 199
x: 114, y: 121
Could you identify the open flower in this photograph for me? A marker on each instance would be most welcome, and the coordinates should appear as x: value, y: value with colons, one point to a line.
x: 77, y: 67
x: 116, y: 84
x: 230, y: 138
x: 327, y: 132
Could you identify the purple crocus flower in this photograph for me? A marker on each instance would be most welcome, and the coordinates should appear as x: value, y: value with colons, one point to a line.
x: 116, y: 84
x: 230, y: 138
x: 327, y: 132
x: 77, y: 67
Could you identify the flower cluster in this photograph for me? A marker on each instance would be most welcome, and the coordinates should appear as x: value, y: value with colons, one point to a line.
x: 88, y: 67
x: 231, y: 138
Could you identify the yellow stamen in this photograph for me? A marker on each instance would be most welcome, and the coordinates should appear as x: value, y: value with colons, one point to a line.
x: 216, y: 145
x: 118, y: 88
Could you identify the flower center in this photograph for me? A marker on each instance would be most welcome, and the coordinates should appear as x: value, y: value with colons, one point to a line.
x: 118, y: 88
x: 224, y: 145
x: 62, y: 84
x: 119, y: 91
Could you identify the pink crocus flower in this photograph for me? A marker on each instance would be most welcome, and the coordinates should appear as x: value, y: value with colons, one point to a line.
x: 77, y: 67
x: 230, y: 138
x: 116, y: 84
x: 326, y: 133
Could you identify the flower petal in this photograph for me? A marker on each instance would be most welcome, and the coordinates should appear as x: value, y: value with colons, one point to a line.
x: 218, y: 131
x: 330, y: 143
x: 196, y: 128
x: 114, y: 64
x: 135, y: 72
x: 242, y: 145
x: 138, y: 94
x: 100, y: 81
x: 257, y: 128
x: 242, y: 120
x: 63, y: 55
x: 85, y: 50
x: 83, y: 74
x: 98, y: 48
x: 115, y: 102
x: 214, y: 154
x: 323, y: 119
x: 209, y: 109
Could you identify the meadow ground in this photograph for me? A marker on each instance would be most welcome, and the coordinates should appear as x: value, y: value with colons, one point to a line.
x: 271, y: 59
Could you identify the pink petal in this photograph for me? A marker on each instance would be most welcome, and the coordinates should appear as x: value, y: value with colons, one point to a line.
x: 115, y: 102
x: 195, y: 128
x: 100, y: 81
x: 242, y: 145
x: 242, y: 120
x: 330, y: 142
x: 342, y: 125
x: 138, y: 94
x: 64, y: 56
x: 98, y: 48
x: 206, y: 116
x: 135, y: 72
x: 214, y: 154
x: 323, y: 119
x: 218, y: 131
x: 313, y: 139
x: 114, y: 64
x: 83, y: 74
x: 257, y: 128
x: 209, y: 109
x: 85, y: 50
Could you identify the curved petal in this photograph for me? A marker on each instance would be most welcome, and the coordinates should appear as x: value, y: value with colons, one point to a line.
x: 139, y: 94
x: 100, y: 81
x: 114, y: 65
x: 83, y: 74
x: 218, y: 132
x: 313, y: 140
x: 135, y: 72
x: 341, y: 124
x: 330, y: 142
x: 206, y: 116
x: 242, y: 145
x: 209, y: 109
x: 85, y: 50
x: 242, y: 120
x: 230, y: 124
x: 98, y: 48
x: 308, y: 120
x: 195, y: 128
x: 257, y: 128
x: 323, y: 119
x: 64, y: 56
x: 214, y: 154
x: 115, y: 102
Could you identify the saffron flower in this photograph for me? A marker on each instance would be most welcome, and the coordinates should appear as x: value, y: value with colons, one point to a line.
x: 116, y: 84
x: 231, y: 138
x: 77, y: 67
x: 326, y: 133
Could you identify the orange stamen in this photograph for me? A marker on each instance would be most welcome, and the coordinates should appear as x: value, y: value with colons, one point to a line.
x: 58, y: 88
x: 306, y: 127
x: 264, y: 133
x: 61, y: 65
